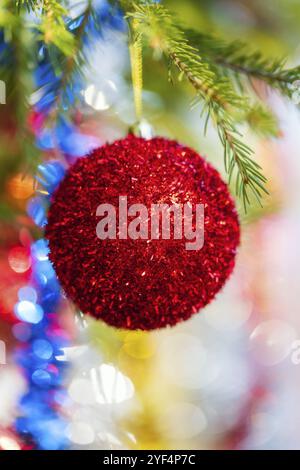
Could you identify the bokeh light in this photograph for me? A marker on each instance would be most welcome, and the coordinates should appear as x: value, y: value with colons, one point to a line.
x: 29, y: 312
x: 19, y: 259
x: 271, y: 341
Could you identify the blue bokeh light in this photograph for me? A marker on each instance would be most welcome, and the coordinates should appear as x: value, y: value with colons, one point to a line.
x: 29, y: 312
x: 42, y: 349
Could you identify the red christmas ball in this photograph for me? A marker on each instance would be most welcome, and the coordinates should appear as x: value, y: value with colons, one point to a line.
x: 113, y: 265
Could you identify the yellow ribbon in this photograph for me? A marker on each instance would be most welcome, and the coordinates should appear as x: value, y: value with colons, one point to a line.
x: 135, y: 51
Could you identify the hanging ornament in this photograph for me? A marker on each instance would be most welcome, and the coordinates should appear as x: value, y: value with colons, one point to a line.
x: 107, y: 257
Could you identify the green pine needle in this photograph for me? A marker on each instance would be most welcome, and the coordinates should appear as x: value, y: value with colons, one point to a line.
x: 235, y: 57
x: 215, y: 93
x: 219, y: 71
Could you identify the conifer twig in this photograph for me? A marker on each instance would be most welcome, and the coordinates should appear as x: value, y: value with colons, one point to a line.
x: 214, y: 92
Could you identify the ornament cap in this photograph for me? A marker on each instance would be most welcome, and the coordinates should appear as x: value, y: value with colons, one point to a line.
x: 142, y: 128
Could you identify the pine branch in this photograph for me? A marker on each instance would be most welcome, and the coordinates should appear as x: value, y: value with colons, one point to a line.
x: 15, y: 70
x: 260, y: 119
x: 52, y: 24
x: 236, y: 58
x: 219, y: 71
x: 74, y: 63
x: 53, y: 27
x: 214, y: 92
x: 65, y: 73
x: 29, y: 5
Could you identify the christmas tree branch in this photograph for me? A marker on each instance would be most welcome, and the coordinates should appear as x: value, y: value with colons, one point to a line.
x: 214, y: 92
x: 73, y: 64
x: 219, y: 71
x: 15, y: 60
x: 260, y: 119
x: 52, y: 24
x: 235, y: 57
x: 53, y: 28
x: 29, y: 5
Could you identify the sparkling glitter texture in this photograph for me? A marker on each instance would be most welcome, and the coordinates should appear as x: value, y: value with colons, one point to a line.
x: 141, y: 284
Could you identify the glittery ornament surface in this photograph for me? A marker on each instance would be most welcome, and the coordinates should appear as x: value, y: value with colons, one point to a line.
x: 141, y: 284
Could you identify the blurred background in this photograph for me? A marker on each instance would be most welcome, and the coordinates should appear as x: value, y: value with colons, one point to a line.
x: 229, y: 378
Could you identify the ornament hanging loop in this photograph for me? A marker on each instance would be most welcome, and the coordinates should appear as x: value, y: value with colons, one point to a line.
x: 136, y: 60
